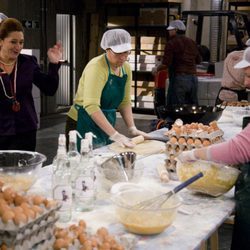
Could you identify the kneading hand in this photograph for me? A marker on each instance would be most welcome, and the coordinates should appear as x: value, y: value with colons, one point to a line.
x: 133, y: 131
x: 187, y: 156
x: 122, y: 140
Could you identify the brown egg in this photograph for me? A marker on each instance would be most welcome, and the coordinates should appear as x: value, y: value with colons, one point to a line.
x: 60, y: 243
x: 210, y: 130
x: 62, y: 233
x: 4, y: 207
x: 173, y: 139
x: 19, y: 199
x: 50, y: 203
x: 87, y: 245
x: 190, y: 141
x: 82, y: 223
x: 37, y: 209
x: 8, y: 216
x: 17, y: 209
x: 25, y: 205
x: 82, y: 238
x: 20, y: 218
x: 8, y: 195
x: 197, y: 142
x: 105, y: 246
x: 206, y: 143
x: 30, y: 213
x: 182, y: 140
x: 94, y: 242
x: 38, y: 200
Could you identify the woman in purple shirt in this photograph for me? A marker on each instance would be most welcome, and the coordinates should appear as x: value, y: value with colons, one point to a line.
x: 18, y: 73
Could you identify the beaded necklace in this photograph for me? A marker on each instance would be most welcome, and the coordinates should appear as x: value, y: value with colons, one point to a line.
x: 15, y: 104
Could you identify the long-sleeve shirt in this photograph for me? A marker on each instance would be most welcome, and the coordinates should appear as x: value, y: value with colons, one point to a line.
x: 234, y: 151
x: 28, y: 73
x: 182, y: 54
x: 91, y: 84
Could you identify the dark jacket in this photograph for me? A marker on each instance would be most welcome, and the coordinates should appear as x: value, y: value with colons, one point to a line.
x: 28, y: 73
x: 182, y: 54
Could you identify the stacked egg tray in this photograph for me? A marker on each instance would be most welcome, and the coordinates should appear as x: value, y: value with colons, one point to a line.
x: 181, y: 140
x: 34, y: 232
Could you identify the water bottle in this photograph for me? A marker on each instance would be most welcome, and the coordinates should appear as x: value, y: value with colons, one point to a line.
x: 61, y: 186
x: 84, y: 186
x: 73, y: 155
x: 61, y: 149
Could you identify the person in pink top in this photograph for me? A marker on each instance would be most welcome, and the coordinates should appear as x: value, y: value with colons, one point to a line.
x: 233, y: 151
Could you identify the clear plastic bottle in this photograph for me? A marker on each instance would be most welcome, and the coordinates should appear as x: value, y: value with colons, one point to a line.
x: 61, y: 186
x: 73, y: 155
x: 84, y: 187
x: 61, y: 149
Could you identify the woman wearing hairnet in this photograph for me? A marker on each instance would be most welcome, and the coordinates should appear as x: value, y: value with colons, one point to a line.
x: 104, y: 87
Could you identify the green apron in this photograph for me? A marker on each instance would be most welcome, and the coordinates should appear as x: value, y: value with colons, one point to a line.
x: 241, y: 230
x: 112, y: 95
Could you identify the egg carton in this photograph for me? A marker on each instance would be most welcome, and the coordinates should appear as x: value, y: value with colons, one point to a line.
x: 34, y: 235
x: 197, y: 134
x: 177, y: 147
x: 43, y: 240
x: 13, y: 230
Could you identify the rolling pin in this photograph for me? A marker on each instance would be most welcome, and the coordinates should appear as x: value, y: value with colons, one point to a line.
x: 138, y: 139
x: 163, y: 173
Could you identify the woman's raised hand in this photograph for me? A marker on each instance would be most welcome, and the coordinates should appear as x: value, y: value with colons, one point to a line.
x: 55, y: 53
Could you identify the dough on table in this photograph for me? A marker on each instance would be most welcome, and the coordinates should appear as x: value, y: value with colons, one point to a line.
x: 144, y: 148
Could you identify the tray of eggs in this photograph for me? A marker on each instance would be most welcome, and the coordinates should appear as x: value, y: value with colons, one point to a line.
x: 24, y: 217
x: 188, y: 136
x: 77, y: 236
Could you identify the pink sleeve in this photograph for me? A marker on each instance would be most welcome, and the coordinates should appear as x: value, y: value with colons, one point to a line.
x: 234, y: 151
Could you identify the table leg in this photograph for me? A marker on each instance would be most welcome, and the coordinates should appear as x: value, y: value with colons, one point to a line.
x: 214, y: 241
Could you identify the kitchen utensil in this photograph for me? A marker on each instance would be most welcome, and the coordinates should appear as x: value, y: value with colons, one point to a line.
x: 190, y: 113
x: 159, y: 200
x: 20, y: 169
x: 147, y: 221
x: 119, y: 167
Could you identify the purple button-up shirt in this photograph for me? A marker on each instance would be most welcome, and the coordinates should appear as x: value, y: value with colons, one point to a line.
x: 28, y: 73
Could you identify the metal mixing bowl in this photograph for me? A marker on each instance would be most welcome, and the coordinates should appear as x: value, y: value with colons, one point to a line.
x: 190, y: 113
x: 19, y: 169
x: 120, y: 167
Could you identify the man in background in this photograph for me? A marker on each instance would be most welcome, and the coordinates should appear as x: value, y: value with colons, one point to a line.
x: 180, y: 58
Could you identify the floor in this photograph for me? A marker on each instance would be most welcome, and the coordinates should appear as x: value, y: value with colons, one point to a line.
x: 51, y: 126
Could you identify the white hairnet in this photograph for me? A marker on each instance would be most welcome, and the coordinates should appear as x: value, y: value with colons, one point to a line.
x: 176, y: 24
x: 2, y: 17
x: 119, y: 40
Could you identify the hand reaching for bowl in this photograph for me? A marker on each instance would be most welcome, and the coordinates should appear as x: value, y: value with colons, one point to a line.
x: 187, y: 156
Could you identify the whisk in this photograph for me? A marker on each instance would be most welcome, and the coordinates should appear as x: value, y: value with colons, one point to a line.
x: 159, y: 200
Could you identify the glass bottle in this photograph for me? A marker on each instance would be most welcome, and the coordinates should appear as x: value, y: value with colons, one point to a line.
x: 84, y: 187
x: 61, y: 186
x: 61, y: 149
x: 73, y: 155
